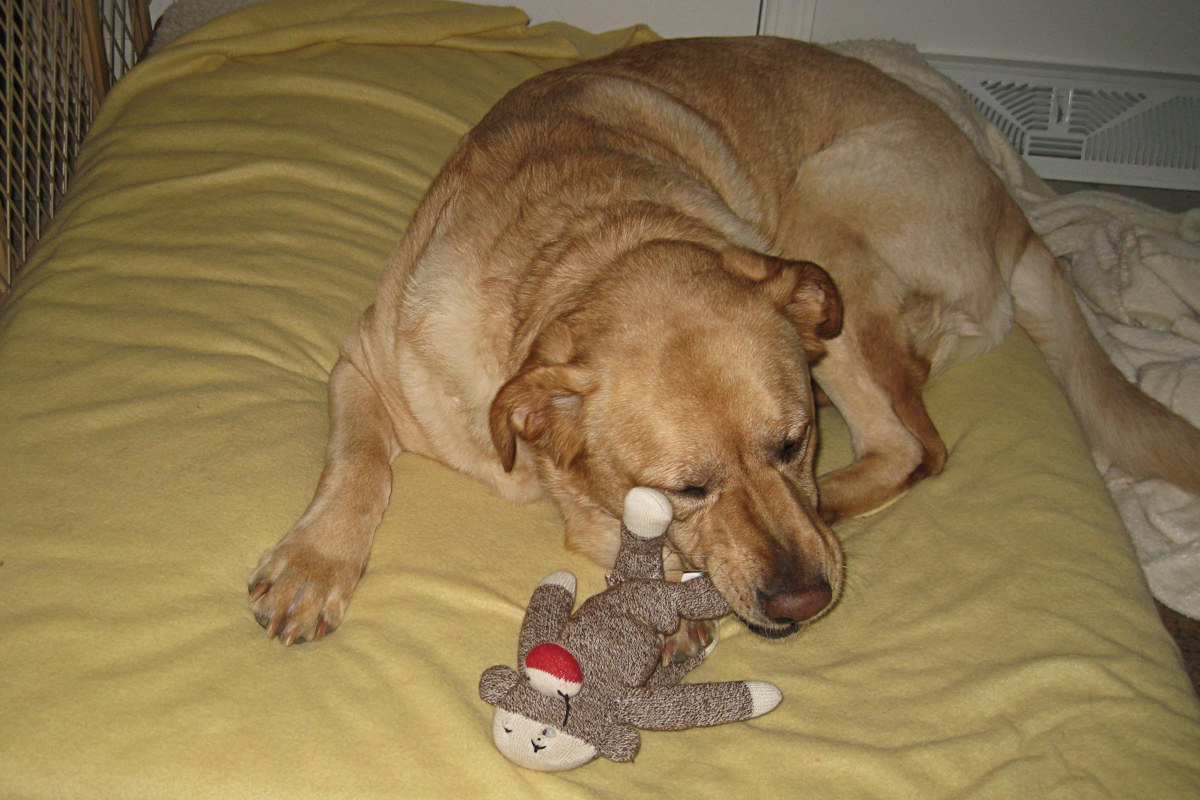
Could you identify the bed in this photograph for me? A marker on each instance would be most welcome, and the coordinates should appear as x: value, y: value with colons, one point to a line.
x: 163, y: 360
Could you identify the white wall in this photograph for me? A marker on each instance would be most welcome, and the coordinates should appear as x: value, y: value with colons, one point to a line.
x: 667, y: 17
x: 1155, y: 35
x: 157, y: 7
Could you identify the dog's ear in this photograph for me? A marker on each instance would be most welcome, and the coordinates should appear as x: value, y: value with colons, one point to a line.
x: 803, y: 290
x: 540, y: 404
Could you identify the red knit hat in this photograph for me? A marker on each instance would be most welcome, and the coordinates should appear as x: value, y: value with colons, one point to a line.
x: 553, y: 671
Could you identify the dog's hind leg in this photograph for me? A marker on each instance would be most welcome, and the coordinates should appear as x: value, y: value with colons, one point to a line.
x: 303, y: 584
x: 875, y: 383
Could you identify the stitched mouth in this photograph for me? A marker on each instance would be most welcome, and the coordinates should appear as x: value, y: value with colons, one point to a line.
x: 538, y: 747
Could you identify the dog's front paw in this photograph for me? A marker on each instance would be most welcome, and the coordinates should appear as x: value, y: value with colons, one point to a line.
x: 299, y: 594
x: 693, y: 638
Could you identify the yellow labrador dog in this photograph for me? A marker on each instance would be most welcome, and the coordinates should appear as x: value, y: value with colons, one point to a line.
x: 614, y: 282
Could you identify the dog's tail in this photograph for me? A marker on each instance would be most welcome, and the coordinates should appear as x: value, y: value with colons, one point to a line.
x: 1140, y: 435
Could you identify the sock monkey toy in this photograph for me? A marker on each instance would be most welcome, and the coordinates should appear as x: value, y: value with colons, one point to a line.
x: 588, y: 679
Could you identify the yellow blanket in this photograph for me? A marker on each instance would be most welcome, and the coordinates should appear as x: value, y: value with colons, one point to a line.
x: 162, y: 420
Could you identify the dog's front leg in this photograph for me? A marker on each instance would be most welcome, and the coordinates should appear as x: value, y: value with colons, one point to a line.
x: 303, y: 584
x: 877, y: 388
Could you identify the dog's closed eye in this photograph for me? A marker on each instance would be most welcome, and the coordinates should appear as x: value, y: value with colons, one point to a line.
x: 789, y: 451
x: 793, y: 448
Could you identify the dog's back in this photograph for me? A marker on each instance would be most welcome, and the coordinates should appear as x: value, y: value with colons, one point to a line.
x: 817, y: 188
x: 775, y: 146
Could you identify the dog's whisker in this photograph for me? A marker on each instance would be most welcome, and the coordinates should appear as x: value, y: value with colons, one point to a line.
x: 689, y: 562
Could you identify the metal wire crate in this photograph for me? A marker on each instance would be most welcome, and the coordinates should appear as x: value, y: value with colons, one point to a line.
x: 59, y: 58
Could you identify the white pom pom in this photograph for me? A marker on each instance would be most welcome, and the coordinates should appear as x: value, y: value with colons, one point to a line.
x: 648, y: 512
x: 764, y: 697
x: 560, y: 578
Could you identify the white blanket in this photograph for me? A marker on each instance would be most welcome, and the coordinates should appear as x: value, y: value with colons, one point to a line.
x: 1136, y: 273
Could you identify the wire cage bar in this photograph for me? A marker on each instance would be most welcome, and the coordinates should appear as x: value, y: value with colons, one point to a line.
x: 59, y: 58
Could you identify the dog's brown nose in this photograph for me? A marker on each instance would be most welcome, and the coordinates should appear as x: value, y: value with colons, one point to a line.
x: 798, y: 605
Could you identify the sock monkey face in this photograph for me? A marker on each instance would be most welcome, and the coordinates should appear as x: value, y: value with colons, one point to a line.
x: 536, y: 745
x: 546, y: 731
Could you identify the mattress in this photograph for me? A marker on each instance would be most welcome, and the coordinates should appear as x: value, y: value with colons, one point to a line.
x: 162, y: 421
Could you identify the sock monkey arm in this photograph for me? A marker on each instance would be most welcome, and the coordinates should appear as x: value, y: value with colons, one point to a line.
x: 547, y: 612
x: 692, y: 705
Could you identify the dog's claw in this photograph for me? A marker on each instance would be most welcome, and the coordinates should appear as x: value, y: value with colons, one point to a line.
x: 668, y: 652
x: 704, y: 636
x: 298, y: 594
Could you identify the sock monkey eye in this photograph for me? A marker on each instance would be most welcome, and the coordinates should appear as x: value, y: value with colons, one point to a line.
x: 549, y: 733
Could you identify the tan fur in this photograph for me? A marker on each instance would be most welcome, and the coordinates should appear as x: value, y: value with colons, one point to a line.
x: 612, y: 283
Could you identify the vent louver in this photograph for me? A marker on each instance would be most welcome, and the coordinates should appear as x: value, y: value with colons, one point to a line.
x: 1080, y: 124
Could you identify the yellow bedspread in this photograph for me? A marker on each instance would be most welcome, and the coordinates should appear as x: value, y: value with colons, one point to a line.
x: 162, y: 420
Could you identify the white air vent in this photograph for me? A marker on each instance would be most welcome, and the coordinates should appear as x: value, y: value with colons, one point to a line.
x: 1080, y: 124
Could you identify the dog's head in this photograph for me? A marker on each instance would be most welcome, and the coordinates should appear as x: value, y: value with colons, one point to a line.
x: 687, y: 369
